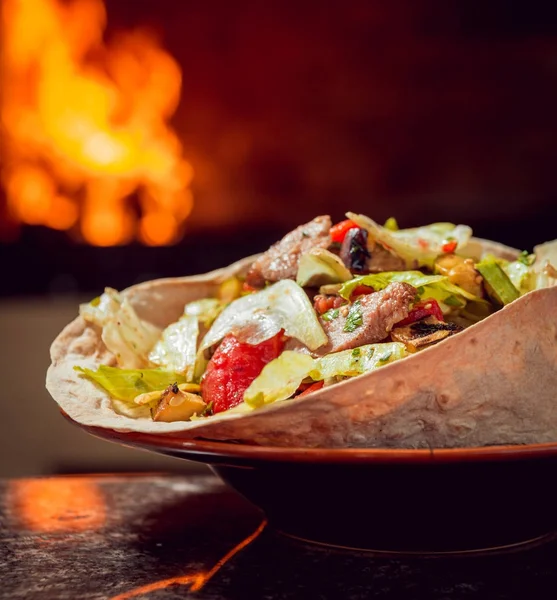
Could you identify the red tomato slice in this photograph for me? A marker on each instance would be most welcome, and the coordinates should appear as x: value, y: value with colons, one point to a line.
x: 233, y: 367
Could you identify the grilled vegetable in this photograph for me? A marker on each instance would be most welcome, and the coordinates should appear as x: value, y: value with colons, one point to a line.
x: 423, y: 309
x: 497, y: 282
x: 354, y: 252
x: 461, y: 272
x: 177, y: 405
x: 423, y: 333
x: 233, y: 367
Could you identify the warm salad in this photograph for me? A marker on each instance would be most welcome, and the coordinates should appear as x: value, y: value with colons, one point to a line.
x: 325, y: 303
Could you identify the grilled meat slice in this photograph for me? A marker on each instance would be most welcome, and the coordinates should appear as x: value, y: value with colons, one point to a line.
x: 368, y: 320
x: 383, y: 260
x: 281, y: 260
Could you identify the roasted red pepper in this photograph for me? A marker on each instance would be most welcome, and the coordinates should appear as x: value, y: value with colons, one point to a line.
x: 233, y: 367
x: 361, y: 290
x: 339, y: 231
x: 425, y: 308
x: 449, y: 247
x: 247, y: 288
x: 311, y: 388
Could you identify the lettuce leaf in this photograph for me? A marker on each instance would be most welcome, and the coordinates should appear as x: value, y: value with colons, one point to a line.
x: 280, y: 378
x: 260, y: 316
x: 350, y: 363
x: 127, y: 336
x: 437, y: 287
x: 177, y: 349
x: 419, y: 246
x: 127, y: 384
x: 544, y: 268
x: 533, y: 271
x: 206, y: 310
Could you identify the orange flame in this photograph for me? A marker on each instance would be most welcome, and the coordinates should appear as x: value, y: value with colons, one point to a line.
x: 85, y: 125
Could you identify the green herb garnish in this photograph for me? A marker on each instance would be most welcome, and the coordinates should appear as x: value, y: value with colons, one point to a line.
x: 356, y: 352
x: 331, y: 314
x: 355, y: 318
x: 385, y: 357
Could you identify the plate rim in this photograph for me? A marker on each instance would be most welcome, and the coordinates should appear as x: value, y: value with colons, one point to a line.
x: 219, y: 450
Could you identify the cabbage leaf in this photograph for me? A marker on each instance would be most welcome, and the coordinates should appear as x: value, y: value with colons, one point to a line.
x: 419, y: 246
x: 177, y: 348
x: 281, y: 377
x: 127, y: 384
x: 127, y: 336
x: 437, y: 287
x: 260, y: 316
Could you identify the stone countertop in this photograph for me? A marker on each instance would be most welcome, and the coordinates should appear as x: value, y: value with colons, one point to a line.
x: 163, y: 537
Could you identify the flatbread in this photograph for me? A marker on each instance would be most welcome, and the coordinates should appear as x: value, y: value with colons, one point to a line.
x: 493, y: 383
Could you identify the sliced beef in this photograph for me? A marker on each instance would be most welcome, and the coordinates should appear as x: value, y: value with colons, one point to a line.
x: 383, y: 260
x: 281, y: 260
x: 369, y: 320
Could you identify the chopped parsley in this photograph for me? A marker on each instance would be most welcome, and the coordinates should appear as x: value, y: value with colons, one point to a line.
x: 385, y: 357
x: 356, y: 352
x: 355, y: 318
x: 331, y: 314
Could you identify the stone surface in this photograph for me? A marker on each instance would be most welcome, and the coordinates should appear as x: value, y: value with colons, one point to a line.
x: 166, y: 537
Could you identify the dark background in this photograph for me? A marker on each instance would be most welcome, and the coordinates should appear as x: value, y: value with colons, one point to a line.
x: 425, y: 110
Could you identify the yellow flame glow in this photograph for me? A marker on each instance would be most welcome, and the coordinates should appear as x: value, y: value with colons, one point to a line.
x: 85, y: 125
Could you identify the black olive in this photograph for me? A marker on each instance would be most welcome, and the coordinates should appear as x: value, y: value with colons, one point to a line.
x: 354, y: 252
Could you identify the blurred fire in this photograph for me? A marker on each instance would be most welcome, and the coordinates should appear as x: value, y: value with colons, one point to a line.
x: 85, y: 126
x: 57, y: 504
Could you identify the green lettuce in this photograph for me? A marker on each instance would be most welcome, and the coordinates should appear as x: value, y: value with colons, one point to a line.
x: 124, y: 333
x: 437, y: 287
x: 127, y: 384
x: 532, y: 271
x: 260, y: 316
x: 280, y: 378
x: 350, y: 363
x: 177, y: 348
x: 419, y: 246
